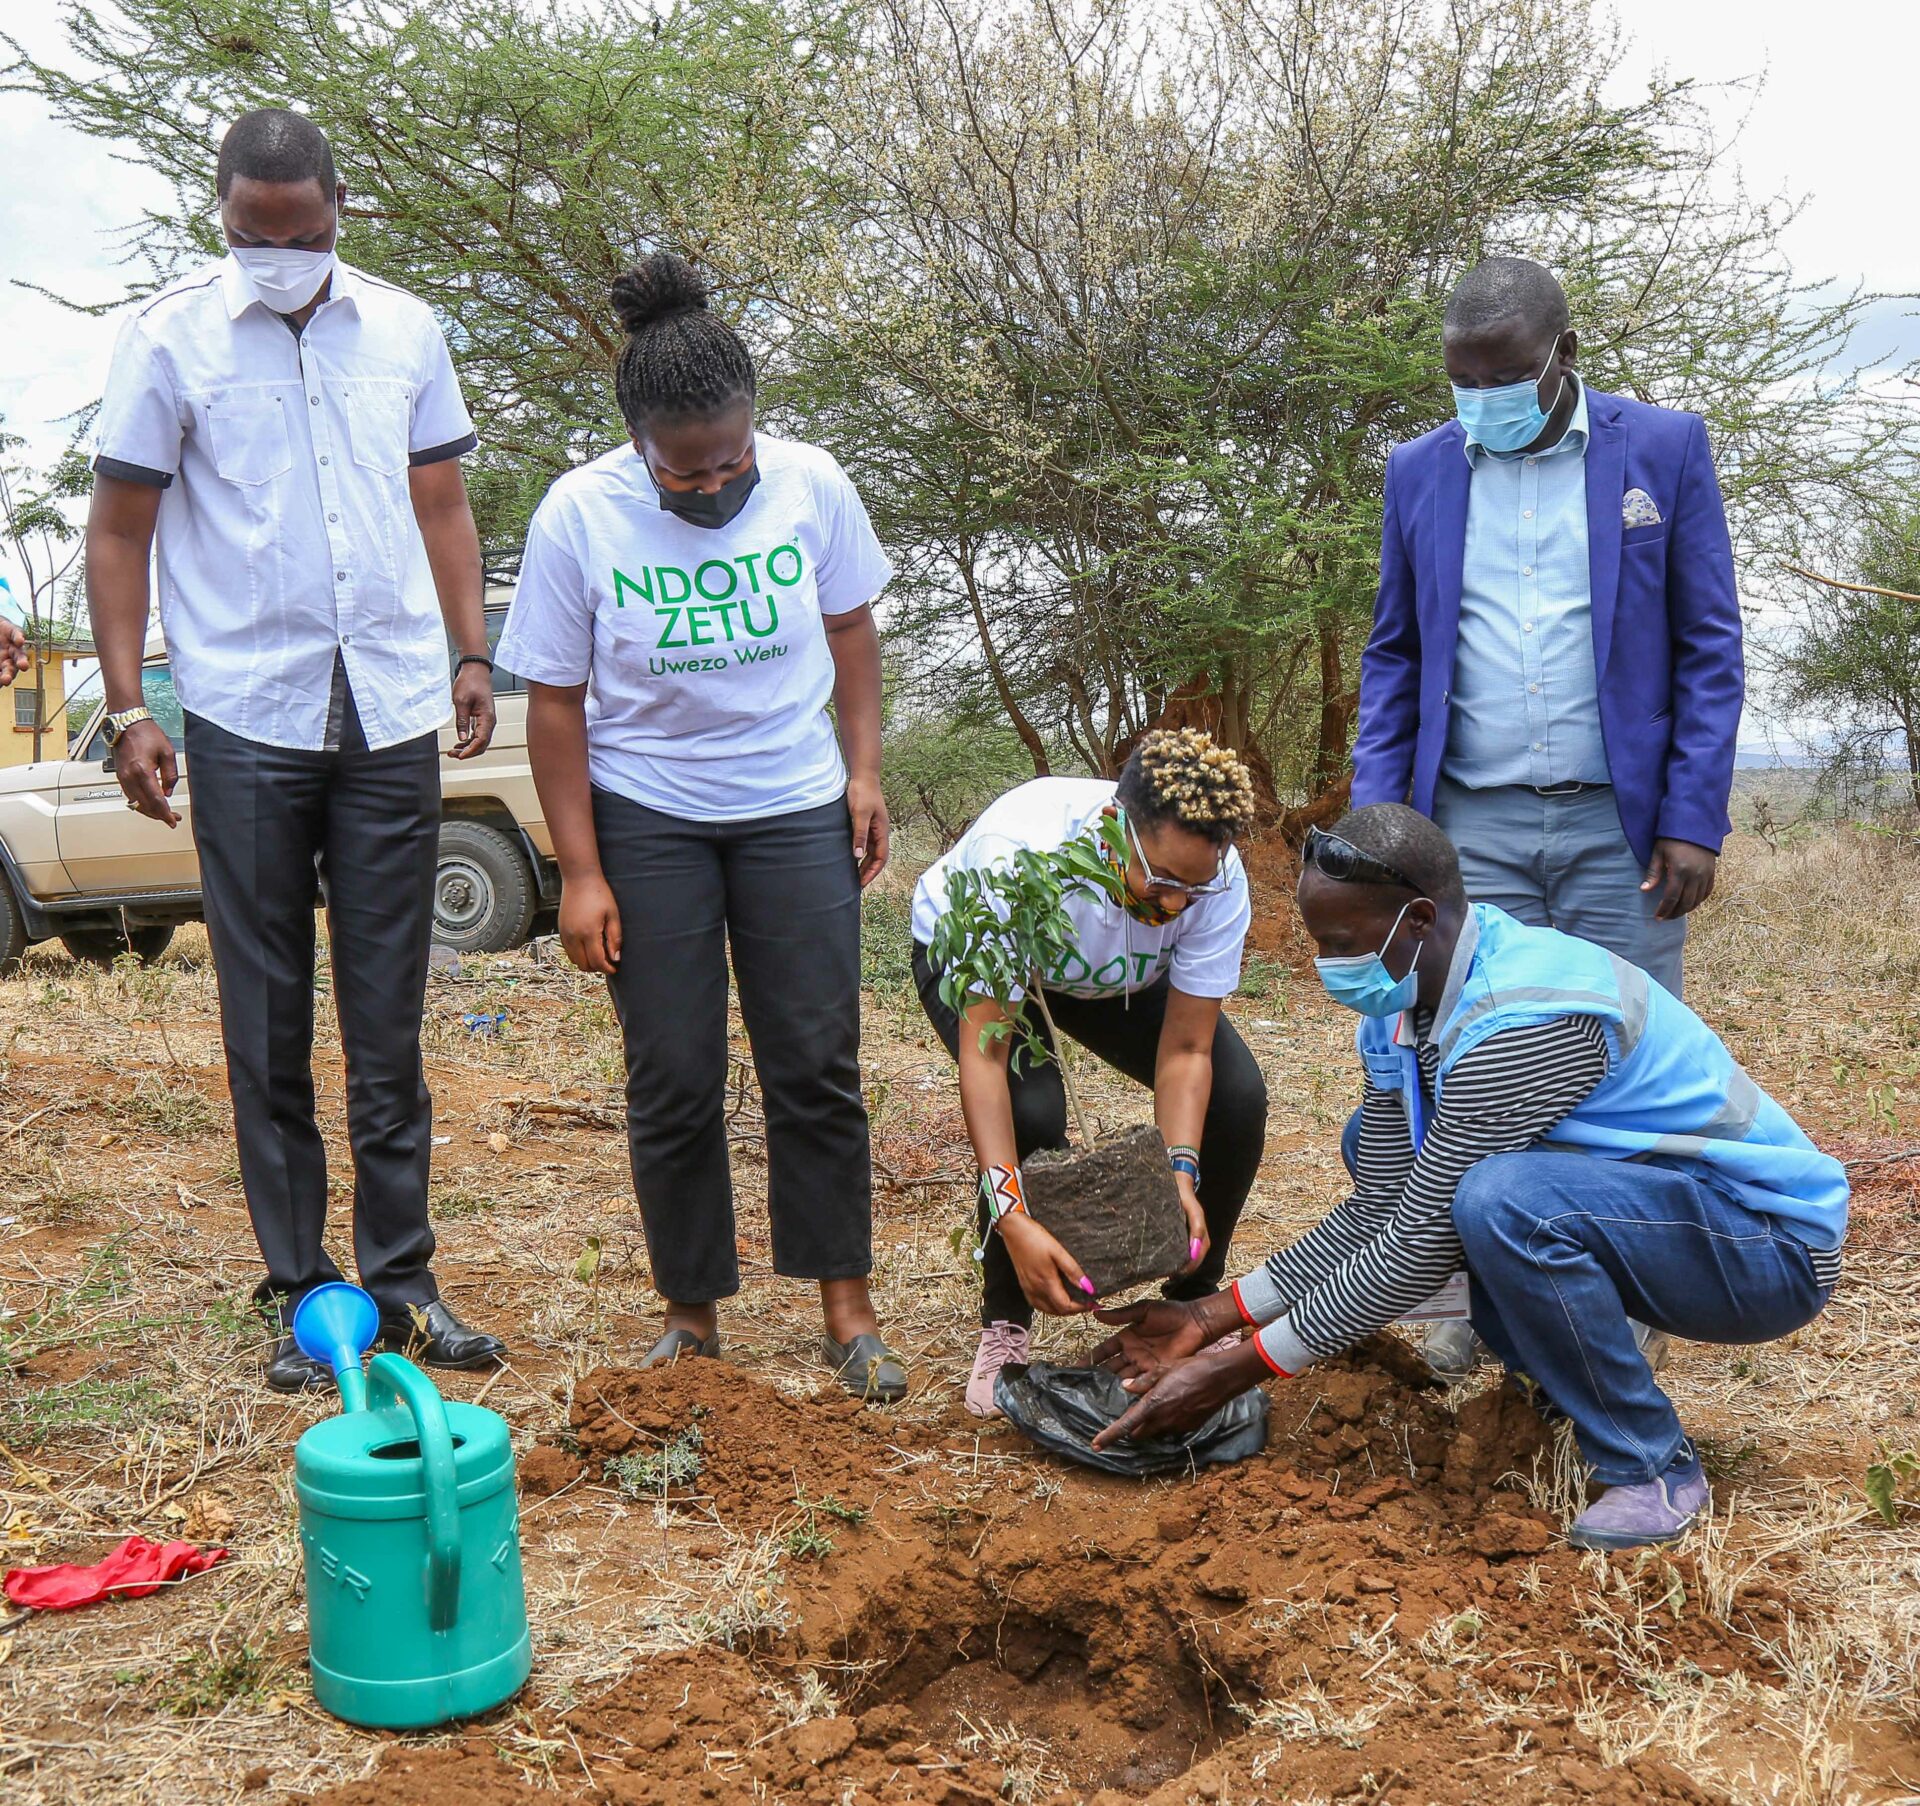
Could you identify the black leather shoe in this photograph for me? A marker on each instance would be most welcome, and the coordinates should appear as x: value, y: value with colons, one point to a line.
x: 431, y: 1333
x: 288, y: 1370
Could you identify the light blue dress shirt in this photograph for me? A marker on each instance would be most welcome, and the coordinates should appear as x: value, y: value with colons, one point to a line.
x: 1526, y: 697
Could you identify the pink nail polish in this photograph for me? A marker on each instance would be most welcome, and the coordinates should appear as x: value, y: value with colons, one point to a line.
x: 1193, y: 1249
x: 1086, y: 1285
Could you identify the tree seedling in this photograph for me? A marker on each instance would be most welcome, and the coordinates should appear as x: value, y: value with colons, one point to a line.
x: 1006, y: 927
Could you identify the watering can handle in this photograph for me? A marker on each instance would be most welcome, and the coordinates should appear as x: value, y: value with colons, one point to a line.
x: 393, y: 1379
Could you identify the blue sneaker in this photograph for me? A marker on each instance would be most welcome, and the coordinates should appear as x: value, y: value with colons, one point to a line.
x: 1655, y: 1511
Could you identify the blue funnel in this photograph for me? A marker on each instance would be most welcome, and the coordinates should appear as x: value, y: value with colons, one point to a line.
x: 336, y: 1323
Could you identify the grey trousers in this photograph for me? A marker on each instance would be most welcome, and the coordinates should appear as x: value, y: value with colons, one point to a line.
x: 1561, y: 862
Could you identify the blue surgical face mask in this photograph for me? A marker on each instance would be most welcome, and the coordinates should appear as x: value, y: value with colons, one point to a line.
x: 1509, y: 417
x: 1362, y: 982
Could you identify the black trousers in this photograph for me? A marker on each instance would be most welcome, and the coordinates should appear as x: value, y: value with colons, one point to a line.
x: 265, y: 818
x: 784, y: 891
x: 1126, y: 1034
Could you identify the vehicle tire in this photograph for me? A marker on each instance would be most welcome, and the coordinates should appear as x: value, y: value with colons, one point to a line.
x: 483, y: 895
x: 102, y: 946
x: 13, y: 931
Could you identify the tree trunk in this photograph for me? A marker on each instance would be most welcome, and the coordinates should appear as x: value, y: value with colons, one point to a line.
x: 1039, y: 996
x: 1029, y: 734
x: 39, y: 702
x: 1336, y: 708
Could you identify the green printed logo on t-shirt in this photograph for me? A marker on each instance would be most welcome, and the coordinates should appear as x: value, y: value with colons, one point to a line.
x: 730, y: 602
x: 1072, y: 971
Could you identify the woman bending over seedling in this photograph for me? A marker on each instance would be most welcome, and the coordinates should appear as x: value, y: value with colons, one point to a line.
x: 1137, y: 977
x: 688, y: 606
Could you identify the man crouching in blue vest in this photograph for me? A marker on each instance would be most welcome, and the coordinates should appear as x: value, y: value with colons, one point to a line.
x: 1546, y: 1112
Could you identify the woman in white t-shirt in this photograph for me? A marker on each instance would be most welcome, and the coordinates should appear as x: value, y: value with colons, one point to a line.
x: 688, y: 607
x: 1142, y: 988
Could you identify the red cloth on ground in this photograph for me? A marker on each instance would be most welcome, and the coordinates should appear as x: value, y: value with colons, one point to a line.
x: 136, y: 1569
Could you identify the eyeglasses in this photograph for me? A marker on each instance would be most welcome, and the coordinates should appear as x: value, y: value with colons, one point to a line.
x: 1344, y: 862
x: 1177, y: 887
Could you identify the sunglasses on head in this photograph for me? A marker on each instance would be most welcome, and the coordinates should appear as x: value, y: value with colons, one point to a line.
x: 1344, y: 862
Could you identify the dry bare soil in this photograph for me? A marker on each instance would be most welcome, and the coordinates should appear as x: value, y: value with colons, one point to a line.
x: 743, y: 1587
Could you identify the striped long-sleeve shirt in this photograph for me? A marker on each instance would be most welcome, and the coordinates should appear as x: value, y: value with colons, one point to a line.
x: 1392, y: 1244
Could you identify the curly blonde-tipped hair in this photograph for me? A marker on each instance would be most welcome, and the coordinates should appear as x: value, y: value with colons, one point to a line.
x: 1183, y: 775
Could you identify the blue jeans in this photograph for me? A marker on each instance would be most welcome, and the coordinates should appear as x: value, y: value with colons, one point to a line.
x: 1562, y: 1249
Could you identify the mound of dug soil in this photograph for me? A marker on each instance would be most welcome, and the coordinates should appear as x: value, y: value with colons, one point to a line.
x: 759, y: 1449
x: 1369, y: 1611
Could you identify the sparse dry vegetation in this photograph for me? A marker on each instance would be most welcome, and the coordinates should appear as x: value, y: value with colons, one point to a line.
x: 129, y: 1402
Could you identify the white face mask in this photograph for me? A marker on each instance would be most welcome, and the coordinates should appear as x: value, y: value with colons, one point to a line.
x: 285, y: 280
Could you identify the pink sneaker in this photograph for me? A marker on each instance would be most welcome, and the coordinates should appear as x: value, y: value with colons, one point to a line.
x: 999, y: 1344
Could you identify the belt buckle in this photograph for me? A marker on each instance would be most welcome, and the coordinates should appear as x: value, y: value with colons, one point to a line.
x: 1573, y: 787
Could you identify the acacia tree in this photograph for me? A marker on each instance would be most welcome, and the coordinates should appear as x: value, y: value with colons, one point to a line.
x: 1852, y: 657
x: 1116, y: 316
x: 1113, y: 311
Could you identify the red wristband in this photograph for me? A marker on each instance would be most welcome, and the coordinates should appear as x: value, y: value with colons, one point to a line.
x: 1274, y: 1365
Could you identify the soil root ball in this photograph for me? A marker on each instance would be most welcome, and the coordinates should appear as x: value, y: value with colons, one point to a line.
x: 1115, y: 1208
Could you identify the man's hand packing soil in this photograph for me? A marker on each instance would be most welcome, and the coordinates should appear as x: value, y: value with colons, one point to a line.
x: 1154, y: 1334
x: 1051, y: 1278
x: 1157, y: 1333
x: 1186, y: 1393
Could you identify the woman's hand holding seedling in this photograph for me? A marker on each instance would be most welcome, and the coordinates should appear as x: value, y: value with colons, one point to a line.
x: 1051, y: 1278
x: 1198, y: 1239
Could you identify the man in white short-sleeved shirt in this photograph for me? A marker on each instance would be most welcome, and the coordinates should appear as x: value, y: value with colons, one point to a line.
x: 281, y: 436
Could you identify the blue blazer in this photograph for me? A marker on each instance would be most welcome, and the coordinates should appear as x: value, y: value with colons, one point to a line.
x: 1666, y: 623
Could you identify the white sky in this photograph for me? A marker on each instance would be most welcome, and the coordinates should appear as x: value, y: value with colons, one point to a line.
x: 1832, y: 120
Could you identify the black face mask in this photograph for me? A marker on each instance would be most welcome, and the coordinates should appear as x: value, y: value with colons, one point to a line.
x: 714, y: 510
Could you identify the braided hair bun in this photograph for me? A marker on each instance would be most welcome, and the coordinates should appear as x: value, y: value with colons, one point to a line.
x: 680, y: 360
x: 656, y: 289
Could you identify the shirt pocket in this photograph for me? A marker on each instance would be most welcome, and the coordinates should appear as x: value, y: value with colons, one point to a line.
x: 249, y: 439
x: 378, y: 416
x: 1652, y: 534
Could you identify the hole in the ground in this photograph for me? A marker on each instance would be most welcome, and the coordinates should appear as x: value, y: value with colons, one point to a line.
x: 1023, y: 1694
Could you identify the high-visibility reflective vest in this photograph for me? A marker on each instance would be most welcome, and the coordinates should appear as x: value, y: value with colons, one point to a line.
x: 1672, y: 1092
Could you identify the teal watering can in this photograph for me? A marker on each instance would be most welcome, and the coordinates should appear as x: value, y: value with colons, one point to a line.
x: 416, y: 1608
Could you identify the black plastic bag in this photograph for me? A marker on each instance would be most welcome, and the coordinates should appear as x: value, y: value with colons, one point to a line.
x: 1064, y: 1408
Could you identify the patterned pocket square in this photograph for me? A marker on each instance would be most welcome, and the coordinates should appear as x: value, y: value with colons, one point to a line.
x: 1637, y: 509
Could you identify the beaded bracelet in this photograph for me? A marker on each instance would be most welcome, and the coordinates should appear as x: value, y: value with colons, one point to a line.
x: 1002, y: 1194
x: 1186, y: 1160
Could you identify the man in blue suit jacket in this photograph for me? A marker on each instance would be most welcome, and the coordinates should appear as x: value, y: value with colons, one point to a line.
x: 1555, y: 668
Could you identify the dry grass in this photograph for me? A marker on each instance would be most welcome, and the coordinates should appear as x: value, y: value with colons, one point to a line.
x: 128, y: 1397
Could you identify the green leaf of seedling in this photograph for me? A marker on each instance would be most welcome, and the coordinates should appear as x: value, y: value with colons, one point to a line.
x: 589, y: 1262
x: 1882, y: 1487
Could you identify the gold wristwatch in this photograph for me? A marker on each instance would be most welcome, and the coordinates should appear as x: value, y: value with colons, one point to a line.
x: 116, y: 725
